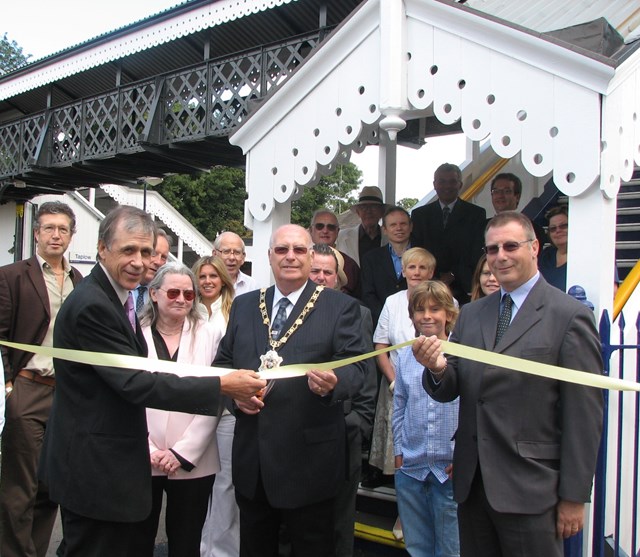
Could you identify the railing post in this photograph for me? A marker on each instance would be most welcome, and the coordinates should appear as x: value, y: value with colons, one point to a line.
x: 600, y: 486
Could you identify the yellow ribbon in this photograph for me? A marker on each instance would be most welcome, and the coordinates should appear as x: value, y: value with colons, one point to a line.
x: 298, y: 370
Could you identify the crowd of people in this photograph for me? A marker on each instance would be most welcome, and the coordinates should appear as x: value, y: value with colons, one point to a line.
x: 485, y: 461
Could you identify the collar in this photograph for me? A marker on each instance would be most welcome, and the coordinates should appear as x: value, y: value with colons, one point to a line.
x: 450, y: 205
x: 42, y: 262
x: 519, y: 295
x: 122, y: 293
x: 293, y: 297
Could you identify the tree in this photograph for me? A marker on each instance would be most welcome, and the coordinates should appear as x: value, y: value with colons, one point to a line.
x: 11, y: 55
x: 212, y: 201
x: 332, y: 192
x: 407, y: 202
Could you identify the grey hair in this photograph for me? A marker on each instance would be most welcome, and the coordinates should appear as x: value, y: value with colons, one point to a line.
x: 149, y: 315
x: 218, y: 241
x: 134, y: 219
x: 166, y: 236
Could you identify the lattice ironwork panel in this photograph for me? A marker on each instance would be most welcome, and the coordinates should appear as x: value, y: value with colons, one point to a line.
x: 10, y: 149
x: 32, y: 129
x: 282, y: 60
x: 66, y: 128
x: 135, y: 110
x: 100, y: 126
x: 185, y: 105
x: 234, y: 83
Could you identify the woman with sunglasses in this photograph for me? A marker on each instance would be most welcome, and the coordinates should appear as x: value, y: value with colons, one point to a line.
x: 182, y: 447
x: 553, y: 260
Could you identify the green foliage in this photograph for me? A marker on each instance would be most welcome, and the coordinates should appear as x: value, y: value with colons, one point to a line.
x: 407, y: 202
x: 11, y: 55
x: 333, y: 192
x: 212, y: 201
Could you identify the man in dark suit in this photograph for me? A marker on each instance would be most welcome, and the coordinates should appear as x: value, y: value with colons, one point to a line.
x: 327, y: 269
x: 95, y: 457
x: 31, y: 293
x: 452, y: 230
x: 289, y: 446
x: 382, y: 267
x: 526, y: 446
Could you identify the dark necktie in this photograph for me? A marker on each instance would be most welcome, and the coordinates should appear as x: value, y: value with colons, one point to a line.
x: 131, y: 314
x: 280, y: 319
x: 140, y: 301
x: 505, y: 317
x: 445, y: 215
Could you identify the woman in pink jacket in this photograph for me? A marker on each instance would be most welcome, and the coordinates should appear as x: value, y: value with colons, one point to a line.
x: 182, y: 447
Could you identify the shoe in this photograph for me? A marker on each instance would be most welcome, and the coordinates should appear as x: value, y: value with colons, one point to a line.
x: 397, y: 530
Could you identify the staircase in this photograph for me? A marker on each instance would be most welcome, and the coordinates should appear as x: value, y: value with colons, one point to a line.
x: 628, y: 225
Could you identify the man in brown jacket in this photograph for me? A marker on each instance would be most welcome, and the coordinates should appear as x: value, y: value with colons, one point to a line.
x: 31, y: 293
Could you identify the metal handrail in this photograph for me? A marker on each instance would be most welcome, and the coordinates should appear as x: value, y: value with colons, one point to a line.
x: 626, y: 289
x: 482, y: 180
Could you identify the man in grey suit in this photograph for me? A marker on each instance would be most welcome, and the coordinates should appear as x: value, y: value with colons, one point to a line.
x: 526, y: 446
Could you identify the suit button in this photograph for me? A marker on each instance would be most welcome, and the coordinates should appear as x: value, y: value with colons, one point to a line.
x: 480, y: 402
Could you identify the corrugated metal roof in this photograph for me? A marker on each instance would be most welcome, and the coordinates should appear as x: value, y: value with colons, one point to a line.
x: 269, y: 21
x: 550, y: 15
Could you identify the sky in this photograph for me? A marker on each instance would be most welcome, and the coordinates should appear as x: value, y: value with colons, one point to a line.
x: 44, y: 27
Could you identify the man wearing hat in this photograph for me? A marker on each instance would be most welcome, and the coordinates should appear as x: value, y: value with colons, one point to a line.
x: 357, y: 241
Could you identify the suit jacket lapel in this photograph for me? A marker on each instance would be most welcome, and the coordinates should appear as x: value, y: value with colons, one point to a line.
x: 528, y: 315
x: 104, y: 283
x: 489, y: 324
x: 37, y: 279
x: 261, y: 331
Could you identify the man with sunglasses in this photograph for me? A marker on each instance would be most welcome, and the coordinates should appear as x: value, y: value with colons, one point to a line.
x: 526, y: 446
x: 289, y: 458
x: 324, y: 229
x: 31, y: 294
x: 95, y: 456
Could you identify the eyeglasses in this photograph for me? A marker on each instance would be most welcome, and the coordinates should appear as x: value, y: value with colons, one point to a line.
x: 501, y: 192
x: 493, y: 249
x: 556, y: 227
x: 328, y: 226
x: 284, y: 250
x: 51, y: 228
x: 226, y: 252
x: 173, y: 293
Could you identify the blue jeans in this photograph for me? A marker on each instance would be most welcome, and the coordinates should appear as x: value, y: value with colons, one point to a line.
x: 429, y: 516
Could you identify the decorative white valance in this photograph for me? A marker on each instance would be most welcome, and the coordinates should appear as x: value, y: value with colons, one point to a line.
x: 525, y: 93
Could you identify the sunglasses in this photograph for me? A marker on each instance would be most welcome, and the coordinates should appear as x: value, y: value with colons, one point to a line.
x: 284, y: 250
x: 173, y: 293
x: 493, y: 249
x: 563, y: 226
x: 323, y: 225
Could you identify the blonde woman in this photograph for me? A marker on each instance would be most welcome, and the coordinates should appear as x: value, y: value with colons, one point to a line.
x: 215, y: 289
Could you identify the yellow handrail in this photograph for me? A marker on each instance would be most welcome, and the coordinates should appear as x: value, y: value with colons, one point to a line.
x: 481, y: 181
x: 626, y: 289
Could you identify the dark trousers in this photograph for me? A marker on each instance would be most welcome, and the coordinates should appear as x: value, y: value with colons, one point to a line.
x: 485, y: 532
x: 87, y: 537
x: 27, y: 514
x: 187, y: 503
x: 345, y: 501
x: 310, y: 528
